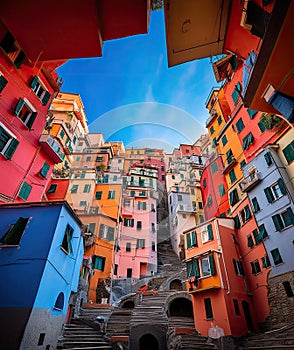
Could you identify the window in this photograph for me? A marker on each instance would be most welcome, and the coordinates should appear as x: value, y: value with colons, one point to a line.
x: 238, y: 267
x: 255, y: 267
x: 3, y: 82
x: 128, y: 222
x: 208, y: 308
x: 193, y: 269
x: 242, y: 164
x: 12, y: 49
x: 191, y: 239
x: 99, y: 159
x: 78, y: 157
x: 234, y: 197
x: 98, y: 195
x: 236, y: 307
x: 265, y: 262
x: 59, y: 304
x: 152, y: 207
x: 236, y: 93
x: 152, y: 227
x: 251, y: 112
x: 52, y: 188
x: 74, y: 189
x: 98, y: 262
x: 207, y: 266
x: 214, y: 168
x: 204, y: 183
x: 25, y: 112
x: 90, y: 228
x: 66, y: 244
x: 44, y: 170
x: 250, y: 242
x: 237, y: 222
x: 255, y: 205
x: 153, y: 246
x: 221, y: 190
x: 87, y: 188
x: 139, y: 225
x: 83, y: 203
x: 229, y: 156
x: 261, y: 126
x: 8, y: 142
x: 275, y: 191
x: 25, y: 191
x: 219, y: 120
x: 240, y: 125
x: 268, y: 158
x: 247, y: 141
x: 140, y: 243
x: 288, y: 152
x: 283, y: 219
x: 276, y: 256
x: 83, y: 174
x: 211, y: 130
x: 206, y: 233
x: 129, y: 273
x: 142, y: 205
x: 232, y: 176
x: 245, y: 214
x: 101, y: 230
x: 40, y: 90
x: 180, y: 197
x: 110, y: 234
x: 224, y: 140
x: 192, y: 191
x: 200, y: 205
x: 15, y: 232
x: 111, y: 195
x: 128, y: 247
x: 262, y: 232
x: 126, y: 202
x: 288, y: 289
x: 209, y: 201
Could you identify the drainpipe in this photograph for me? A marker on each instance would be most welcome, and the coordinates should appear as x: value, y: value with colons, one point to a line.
x: 220, y: 247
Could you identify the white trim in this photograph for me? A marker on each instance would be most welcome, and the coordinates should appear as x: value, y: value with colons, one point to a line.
x: 8, y: 131
x: 32, y: 108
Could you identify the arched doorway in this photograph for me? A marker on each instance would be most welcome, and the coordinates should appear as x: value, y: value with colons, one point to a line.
x: 176, y: 285
x: 247, y: 315
x: 181, y: 307
x: 129, y: 304
x: 148, y: 342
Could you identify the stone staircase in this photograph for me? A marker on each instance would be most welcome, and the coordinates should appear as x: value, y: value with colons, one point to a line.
x: 82, y: 337
x: 119, y: 323
x: 168, y: 261
x: 278, y: 339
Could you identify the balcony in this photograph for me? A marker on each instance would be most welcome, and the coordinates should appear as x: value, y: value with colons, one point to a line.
x: 202, y: 284
x: 250, y: 181
x: 186, y: 208
x: 51, y: 146
x: 229, y: 164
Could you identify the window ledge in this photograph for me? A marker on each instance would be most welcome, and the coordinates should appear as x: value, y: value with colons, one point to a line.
x: 9, y: 246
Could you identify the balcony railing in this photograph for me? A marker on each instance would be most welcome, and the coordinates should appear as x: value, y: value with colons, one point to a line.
x: 51, y: 147
x: 186, y: 208
x: 229, y: 164
x: 250, y: 181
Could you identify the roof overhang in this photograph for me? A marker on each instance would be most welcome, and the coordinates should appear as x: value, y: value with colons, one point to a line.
x: 195, y: 29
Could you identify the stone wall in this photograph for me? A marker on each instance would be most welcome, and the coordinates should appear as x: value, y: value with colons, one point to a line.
x: 281, y: 305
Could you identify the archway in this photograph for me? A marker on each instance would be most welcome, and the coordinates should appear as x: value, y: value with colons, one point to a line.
x: 181, y: 307
x: 147, y: 342
x: 176, y: 285
x: 129, y: 304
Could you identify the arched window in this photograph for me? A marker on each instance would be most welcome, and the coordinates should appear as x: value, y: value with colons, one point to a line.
x: 59, y: 303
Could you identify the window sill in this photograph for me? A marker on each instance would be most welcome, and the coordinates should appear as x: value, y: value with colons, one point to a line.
x: 9, y: 246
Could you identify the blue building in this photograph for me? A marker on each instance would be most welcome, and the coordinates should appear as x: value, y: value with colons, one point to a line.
x: 41, y: 252
x: 271, y: 193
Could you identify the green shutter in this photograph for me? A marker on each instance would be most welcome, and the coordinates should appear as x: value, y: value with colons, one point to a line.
x: 110, y: 234
x: 278, y: 222
x: 269, y: 194
x: 30, y: 122
x: 210, y: 234
x: 237, y: 222
x: 289, y: 217
x: 11, y: 148
x: 251, y: 113
x: 247, y: 213
x: 91, y: 227
x: 19, y: 106
x: 25, y: 191
x: 211, y: 264
x: 34, y: 82
x: 188, y: 240
x: 194, y: 238
x: 282, y: 186
x: 250, y: 242
x: 268, y: 158
x: 101, y: 230
x: 256, y: 236
x: 3, y: 82
x: 289, y: 152
x: 45, y: 169
x: 261, y: 127
x: 19, y: 59
x: 255, y: 204
x: 46, y: 98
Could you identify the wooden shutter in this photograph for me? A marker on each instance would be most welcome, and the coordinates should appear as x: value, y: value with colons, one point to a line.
x: 45, y: 169
x: 19, y: 59
x: 3, y: 82
x: 210, y: 234
x: 282, y: 186
x: 46, y: 98
x: 11, y: 149
x: 188, y: 240
x: 211, y: 264
x: 19, y: 106
x: 34, y: 82
x: 278, y: 222
x: 269, y: 194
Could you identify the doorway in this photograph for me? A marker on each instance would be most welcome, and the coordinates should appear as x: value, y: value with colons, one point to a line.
x: 148, y: 342
x: 247, y: 315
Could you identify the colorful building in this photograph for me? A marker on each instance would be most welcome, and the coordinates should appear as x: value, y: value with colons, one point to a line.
x: 44, y: 267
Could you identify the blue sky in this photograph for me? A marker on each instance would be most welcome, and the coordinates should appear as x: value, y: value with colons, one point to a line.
x: 131, y: 95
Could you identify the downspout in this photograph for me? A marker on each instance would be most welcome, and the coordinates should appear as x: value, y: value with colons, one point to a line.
x: 221, y: 249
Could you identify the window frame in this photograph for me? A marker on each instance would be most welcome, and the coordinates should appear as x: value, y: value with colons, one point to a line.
x: 9, y: 142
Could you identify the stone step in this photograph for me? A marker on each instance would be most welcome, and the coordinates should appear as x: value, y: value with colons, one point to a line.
x: 267, y: 347
x: 103, y: 347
